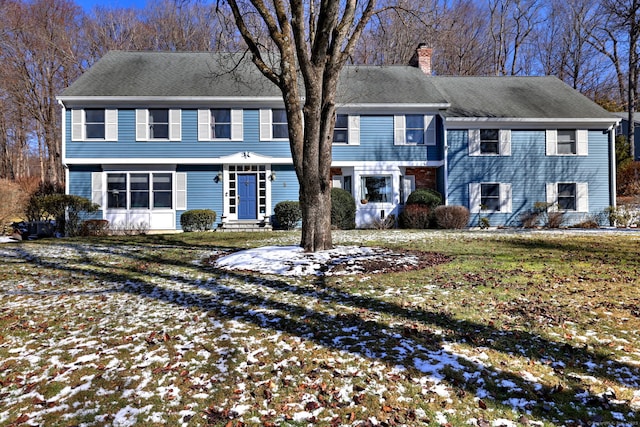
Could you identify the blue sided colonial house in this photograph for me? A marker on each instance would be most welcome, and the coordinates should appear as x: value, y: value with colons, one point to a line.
x: 149, y: 135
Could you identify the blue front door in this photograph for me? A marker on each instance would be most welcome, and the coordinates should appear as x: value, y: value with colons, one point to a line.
x: 247, y: 196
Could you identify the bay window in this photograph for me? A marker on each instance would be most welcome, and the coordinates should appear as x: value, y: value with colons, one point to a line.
x: 376, y: 189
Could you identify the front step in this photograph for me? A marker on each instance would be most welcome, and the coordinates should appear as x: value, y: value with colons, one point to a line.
x: 245, y: 226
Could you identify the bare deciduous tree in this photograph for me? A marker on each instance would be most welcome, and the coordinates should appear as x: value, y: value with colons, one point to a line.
x: 511, y: 24
x: 40, y: 51
x: 314, y: 40
x: 461, y: 46
x: 621, y: 25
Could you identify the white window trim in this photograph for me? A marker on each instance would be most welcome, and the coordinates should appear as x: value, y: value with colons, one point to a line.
x: 475, y: 198
x: 582, y: 143
x: 204, y: 125
x: 353, y: 131
x: 400, y: 130
x: 582, y: 196
x: 79, y: 130
x: 408, y: 183
x: 142, y: 125
x: 504, y: 143
x: 179, y: 189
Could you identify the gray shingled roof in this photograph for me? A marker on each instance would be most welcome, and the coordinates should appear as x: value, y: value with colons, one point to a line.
x: 169, y: 74
x: 228, y: 75
x: 516, y: 97
x: 193, y: 74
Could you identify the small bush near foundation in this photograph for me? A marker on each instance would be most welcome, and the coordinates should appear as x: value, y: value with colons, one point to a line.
x: 555, y: 219
x: 451, y: 217
x: 65, y: 209
x: 287, y: 214
x: 425, y: 197
x: 415, y: 216
x: 94, y: 227
x: 197, y: 220
x: 343, y: 209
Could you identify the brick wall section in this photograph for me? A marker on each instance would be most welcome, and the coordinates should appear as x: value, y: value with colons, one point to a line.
x: 335, y: 171
x: 425, y: 177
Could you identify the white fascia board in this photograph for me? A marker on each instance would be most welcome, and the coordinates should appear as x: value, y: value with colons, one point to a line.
x: 387, y: 165
x: 528, y: 123
x: 137, y: 101
x: 185, y: 161
x: 386, y: 107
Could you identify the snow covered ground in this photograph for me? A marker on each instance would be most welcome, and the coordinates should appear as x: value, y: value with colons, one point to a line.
x: 123, y: 335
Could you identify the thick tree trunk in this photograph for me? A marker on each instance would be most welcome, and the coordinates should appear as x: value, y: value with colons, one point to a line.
x: 314, y: 173
x: 315, y: 202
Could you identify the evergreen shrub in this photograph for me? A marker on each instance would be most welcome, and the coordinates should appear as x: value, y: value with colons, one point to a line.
x: 425, y: 197
x: 287, y: 214
x: 343, y: 209
x: 197, y: 220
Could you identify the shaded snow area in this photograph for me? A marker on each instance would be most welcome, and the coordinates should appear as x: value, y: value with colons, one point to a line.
x: 94, y: 335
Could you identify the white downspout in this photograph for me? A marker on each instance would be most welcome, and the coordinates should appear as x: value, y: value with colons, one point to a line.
x: 446, y: 162
x: 63, y: 127
x: 612, y: 165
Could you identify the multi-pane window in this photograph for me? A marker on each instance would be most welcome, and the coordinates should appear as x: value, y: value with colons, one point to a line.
x: 414, y: 128
x: 221, y: 123
x: 162, y: 185
x: 341, y: 130
x: 159, y: 123
x: 376, y: 189
x: 94, y: 123
x: 567, y: 196
x: 139, y: 190
x: 490, y: 197
x: 489, y: 141
x: 566, y: 142
x: 117, y: 190
x: 279, y: 124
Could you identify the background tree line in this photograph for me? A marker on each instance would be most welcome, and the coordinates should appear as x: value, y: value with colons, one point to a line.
x: 46, y: 44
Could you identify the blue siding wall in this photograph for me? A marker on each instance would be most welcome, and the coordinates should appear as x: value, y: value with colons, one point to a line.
x: 285, y: 187
x: 202, y: 191
x: 80, y: 185
x: 376, y: 142
x: 528, y: 170
x: 128, y: 148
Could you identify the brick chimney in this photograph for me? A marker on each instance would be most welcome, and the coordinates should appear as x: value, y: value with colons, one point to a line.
x: 422, y: 58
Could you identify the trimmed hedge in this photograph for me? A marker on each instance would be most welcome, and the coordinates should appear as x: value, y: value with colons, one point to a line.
x: 287, y: 214
x: 197, y: 220
x: 343, y: 209
x: 425, y: 197
x: 451, y: 217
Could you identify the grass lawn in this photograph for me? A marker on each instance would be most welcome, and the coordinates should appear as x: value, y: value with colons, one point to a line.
x: 526, y: 328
